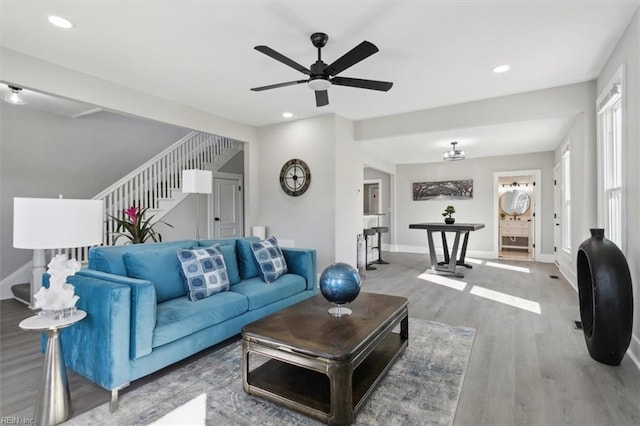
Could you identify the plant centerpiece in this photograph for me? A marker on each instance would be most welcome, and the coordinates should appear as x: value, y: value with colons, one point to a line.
x: 448, y: 219
x: 134, y: 227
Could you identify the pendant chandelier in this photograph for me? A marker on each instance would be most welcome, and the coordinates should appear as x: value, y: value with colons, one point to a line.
x: 453, y: 154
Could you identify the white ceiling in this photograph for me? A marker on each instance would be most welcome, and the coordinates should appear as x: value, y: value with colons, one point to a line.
x: 200, y: 53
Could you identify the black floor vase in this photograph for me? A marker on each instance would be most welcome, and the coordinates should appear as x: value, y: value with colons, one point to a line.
x: 606, y: 298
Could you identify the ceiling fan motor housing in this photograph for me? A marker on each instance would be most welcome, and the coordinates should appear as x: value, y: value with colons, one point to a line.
x: 319, y: 40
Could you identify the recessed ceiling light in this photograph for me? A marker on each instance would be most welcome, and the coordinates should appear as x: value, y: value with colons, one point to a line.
x: 287, y: 114
x: 501, y: 68
x: 60, y: 22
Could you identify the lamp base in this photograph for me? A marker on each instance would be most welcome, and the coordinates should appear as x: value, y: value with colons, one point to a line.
x: 340, y: 311
x: 56, y: 314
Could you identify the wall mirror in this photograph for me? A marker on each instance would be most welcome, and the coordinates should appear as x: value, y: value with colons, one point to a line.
x: 515, y: 202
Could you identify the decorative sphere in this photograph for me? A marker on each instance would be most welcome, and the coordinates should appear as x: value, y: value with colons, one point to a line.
x: 340, y: 283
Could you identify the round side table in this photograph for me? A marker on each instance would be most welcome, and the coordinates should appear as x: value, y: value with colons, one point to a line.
x: 54, y: 403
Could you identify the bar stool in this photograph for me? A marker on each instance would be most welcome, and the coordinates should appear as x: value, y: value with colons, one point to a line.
x: 368, y: 232
x: 380, y: 230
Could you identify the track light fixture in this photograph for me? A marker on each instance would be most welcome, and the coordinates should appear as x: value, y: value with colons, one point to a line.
x: 15, y: 97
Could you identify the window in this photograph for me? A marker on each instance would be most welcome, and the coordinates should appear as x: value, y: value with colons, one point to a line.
x: 566, y: 201
x: 610, y: 141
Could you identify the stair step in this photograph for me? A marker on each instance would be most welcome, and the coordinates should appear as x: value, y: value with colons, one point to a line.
x: 22, y: 293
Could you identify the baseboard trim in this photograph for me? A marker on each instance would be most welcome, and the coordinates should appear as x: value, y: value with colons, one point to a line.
x: 570, y: 276
x: 439, y: 252
x: 546, y: 258
x: 634, y: 350
x: 22, y: 275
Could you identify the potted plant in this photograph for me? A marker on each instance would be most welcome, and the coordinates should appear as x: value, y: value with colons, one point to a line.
x: 135, y: 227
x: 448, y: 219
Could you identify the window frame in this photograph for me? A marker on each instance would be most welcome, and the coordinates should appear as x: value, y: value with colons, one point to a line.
x: 565, y: 170
x: 611, y: 142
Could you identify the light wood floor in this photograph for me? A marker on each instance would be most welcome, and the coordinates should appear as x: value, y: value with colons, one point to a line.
x: 525, y: 367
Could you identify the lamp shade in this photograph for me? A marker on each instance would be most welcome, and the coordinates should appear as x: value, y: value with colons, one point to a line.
x: 51, y: 223
x: 197, y: 181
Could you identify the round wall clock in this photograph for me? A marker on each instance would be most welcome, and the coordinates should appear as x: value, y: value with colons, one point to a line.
x: 295, y: 177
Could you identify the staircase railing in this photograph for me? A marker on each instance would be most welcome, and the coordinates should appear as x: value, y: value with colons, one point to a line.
x: 154, y: 180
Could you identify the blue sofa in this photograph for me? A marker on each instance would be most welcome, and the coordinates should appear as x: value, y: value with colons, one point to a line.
x: 140, y: 319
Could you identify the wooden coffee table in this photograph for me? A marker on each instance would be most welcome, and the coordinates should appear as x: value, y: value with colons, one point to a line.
x: 320, y: 365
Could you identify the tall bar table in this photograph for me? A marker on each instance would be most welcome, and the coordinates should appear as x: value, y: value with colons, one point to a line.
x: 54, y: 403
x: 449, y: 257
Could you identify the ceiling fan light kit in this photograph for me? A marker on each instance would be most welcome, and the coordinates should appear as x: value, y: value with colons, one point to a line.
x: 319, y: 84
x: 453, y: 154
x: 323, y: 76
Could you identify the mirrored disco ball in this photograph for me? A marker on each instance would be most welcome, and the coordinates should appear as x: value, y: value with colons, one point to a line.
x: 340, y: 284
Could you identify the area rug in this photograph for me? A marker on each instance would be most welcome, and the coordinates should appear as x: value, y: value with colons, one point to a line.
x: 422, y: 387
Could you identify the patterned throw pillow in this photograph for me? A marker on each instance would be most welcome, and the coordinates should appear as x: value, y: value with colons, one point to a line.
x: 204, y: 271
x: 270, y: 259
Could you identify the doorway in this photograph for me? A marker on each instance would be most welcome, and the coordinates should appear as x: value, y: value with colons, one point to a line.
x: 517, y: 227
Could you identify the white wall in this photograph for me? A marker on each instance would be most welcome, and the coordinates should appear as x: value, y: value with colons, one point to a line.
x: 182, y: 218
x: 349, y: 203
x: 480, y: 209
x: 44, y: 155
x: 309, y: 219
x: 583, y: 190
x: 627, y: 52
x: 327, y: 217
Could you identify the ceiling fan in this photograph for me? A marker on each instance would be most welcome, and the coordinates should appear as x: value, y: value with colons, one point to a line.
x: 321, y: 75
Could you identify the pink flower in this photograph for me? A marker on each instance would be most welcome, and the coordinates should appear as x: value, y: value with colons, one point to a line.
x: 132, y: 212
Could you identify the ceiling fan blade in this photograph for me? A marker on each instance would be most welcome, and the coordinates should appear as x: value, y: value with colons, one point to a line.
x: 382, y: 86
x: 275, y: 86
x: 280, y: 57
x: 322, y: 98
x: 352, y: 57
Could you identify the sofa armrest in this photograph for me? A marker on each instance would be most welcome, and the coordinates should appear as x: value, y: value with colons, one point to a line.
x: 302, y: 262
x: 98, y: 346
x: 143, y: 309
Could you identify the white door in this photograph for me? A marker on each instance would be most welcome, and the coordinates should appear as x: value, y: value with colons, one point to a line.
x: 557, y: 209
x: 227, y: 206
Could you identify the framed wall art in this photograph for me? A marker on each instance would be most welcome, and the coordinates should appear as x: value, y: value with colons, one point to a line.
x: 443, y: 190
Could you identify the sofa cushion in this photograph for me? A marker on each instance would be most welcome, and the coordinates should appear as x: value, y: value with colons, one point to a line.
x: 181, y: 317
x: 260, y: 295
x: 228, y: 249
x: 247, y: 262
x: 204, y: 270
x: 161, y: 267
x: 270, y: 259
x: 109, y: 258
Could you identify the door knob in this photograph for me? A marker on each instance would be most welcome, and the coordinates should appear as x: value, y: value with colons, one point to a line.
x: 217, y: 219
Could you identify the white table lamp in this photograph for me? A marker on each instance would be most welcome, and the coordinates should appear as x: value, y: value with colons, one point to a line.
x: 52, y: 223
x: 197, y: 182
